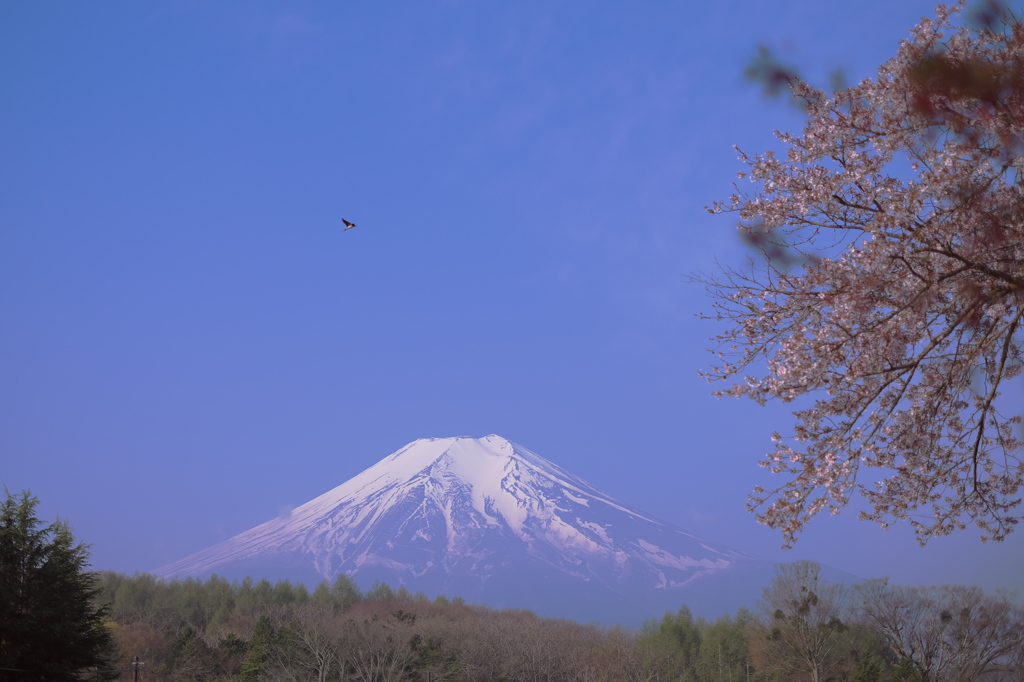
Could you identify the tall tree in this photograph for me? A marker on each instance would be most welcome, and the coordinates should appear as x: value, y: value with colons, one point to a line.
x: 672, y: 645
x: 800, y: 624
x: 954, y: 633
x: 890, y: 287
x: 51, y: 627
x: 260, y: 650
x: 723, y: 649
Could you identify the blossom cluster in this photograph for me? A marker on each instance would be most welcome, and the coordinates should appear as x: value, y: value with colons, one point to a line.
x: 898, y: 304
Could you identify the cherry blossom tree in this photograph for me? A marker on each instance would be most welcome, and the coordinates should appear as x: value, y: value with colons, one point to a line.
x: 888, y: 292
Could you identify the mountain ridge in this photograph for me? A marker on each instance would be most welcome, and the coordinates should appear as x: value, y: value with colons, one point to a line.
x: 496, y: 522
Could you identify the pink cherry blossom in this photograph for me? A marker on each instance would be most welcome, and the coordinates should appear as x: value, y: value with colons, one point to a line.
x: 889, y: 292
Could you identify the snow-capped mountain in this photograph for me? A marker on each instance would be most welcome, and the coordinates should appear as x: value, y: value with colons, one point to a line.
x: 491, y: 521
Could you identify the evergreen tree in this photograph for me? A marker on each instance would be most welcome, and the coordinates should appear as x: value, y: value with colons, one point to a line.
x: 345, y: 592
x: 380, y: 591
x: 191, y: 657
x: 723, y: 650
x: 672, y: 645
x: 258, y: 657
x: 51, y: 627
x: 322, y: 595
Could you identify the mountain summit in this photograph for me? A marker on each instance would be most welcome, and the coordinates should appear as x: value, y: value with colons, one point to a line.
x: 489, y: 520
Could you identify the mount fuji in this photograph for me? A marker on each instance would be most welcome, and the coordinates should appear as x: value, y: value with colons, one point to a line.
x: 490, y: 521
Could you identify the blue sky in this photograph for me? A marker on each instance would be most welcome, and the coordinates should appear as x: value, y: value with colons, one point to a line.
x: 191, y: 343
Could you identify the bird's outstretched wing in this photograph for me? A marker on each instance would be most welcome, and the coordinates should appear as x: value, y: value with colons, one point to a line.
x: 348, y: 225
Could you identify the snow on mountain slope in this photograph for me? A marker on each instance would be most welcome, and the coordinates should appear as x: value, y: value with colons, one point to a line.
x: 483, y: 518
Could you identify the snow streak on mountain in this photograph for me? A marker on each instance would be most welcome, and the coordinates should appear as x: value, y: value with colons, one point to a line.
x: 489, y: 520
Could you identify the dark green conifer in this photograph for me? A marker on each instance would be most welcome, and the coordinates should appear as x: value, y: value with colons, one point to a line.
x: 259, y: 650
x: 51, y: 627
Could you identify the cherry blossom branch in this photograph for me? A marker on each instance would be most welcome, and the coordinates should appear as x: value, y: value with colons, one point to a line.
x: 895, y: 297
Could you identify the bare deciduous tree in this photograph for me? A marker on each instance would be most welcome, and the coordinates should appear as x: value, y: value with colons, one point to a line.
x: 314, y: 651
x: 378, y: 649
x: 949, y: 633
x: 800, y: 623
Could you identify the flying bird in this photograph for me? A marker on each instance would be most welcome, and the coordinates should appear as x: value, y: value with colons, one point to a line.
x: 348, y: 225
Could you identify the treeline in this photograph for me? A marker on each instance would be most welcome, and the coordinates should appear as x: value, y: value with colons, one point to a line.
x: 804, y: 629
x: 810, y: 629
x: 249, y: 631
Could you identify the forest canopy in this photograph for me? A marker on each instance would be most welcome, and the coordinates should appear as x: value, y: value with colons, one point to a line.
x: 258, y: 630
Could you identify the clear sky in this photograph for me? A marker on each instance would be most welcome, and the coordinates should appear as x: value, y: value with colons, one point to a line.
x: 190, y: 344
